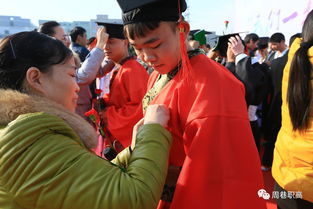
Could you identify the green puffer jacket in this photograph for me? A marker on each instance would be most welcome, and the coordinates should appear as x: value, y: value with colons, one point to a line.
x: 46, y: 162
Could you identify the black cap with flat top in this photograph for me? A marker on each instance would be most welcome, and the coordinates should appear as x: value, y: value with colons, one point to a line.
x: 135, y: 11
x: 222, y: 44
x: 115, y: 30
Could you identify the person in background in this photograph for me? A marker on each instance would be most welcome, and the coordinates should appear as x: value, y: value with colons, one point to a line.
x: 251, y: 41
x: 278, y: 46
x: 128, y: 85
x: 292, y: 166
x: 54, y: 29
x: 262, y: 52
x: 199, y: 36
x: 46, y: 158
x: 194, y: 44
x: 103, y: 81
x: 91, y: 43
x: 86, y: 72
x: 255, y: 77
x: 271, y: 120
x: 213, y: 159
x: 79, y: 42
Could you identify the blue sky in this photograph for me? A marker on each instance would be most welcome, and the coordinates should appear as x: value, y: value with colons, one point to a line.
x: 264, y: 18
x: 207, y: 14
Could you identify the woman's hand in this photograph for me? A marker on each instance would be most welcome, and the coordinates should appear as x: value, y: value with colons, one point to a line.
x: 102, y: 38
x: 157, y: 114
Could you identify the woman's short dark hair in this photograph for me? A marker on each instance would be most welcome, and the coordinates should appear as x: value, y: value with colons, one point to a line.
x: 299, y: 92
x: 20, y: 51
x: 140, y: 30
x: 48, y: 28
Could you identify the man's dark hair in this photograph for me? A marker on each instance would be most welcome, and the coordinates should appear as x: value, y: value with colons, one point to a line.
x: 251, y: 36
x: 77, y: 31
x: 277, y: 38
x: 48, y: 28
x: 139, y: 30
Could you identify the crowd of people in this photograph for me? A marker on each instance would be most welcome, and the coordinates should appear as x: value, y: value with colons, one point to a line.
x: 148, y: 115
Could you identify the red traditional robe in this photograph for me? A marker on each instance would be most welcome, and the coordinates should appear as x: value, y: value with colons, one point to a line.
x: 124, y: 102
x: 212, y: 139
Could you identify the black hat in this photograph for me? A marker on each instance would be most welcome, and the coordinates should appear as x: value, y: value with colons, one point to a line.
x: 191, y: 33
x: 200, y: 37
x: 135, y: 11
x: 222, y: 44
x: 115, y: 30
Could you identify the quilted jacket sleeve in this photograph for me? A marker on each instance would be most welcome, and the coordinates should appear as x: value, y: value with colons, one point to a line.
x: 55, y: 172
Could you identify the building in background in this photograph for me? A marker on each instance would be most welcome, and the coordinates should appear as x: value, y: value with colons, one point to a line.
x: 90, y: 26
x: 14, y: 24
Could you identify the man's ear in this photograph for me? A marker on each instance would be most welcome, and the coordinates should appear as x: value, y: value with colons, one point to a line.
x: 78, y: 39
x: 185, y: 26
x: 34, y: 79
x: 126, y: 42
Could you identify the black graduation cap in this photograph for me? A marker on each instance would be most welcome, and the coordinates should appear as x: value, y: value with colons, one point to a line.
x: 135, y: 11
x: 115, y: 30
x: 222, y: 44
x: 192, y: 32
x: 198, y: 35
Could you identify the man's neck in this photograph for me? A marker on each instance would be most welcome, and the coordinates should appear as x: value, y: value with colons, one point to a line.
x: 282, y: 50
x: 118, y: 61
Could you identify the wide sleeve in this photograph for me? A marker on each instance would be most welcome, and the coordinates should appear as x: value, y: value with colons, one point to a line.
x: 89, y: 69
x: 65, y: 176
x: 219, y: 152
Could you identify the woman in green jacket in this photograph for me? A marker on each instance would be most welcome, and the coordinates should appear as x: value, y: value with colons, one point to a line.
x: 45, y: 157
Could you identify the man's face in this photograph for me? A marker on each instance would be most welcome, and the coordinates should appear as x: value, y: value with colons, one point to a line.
x: 60, y: 35
x: 274, y: 46
x: 252, y: 45
x: 278, y: 46
x: 115, y: 49
x: 82, y: 39
x: 159, y: 48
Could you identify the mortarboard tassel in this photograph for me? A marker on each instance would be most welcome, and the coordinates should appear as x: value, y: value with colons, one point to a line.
x: 186, y: 66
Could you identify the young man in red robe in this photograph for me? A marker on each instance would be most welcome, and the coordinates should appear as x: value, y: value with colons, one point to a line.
x: 128, y: 84
x: 214, y: 163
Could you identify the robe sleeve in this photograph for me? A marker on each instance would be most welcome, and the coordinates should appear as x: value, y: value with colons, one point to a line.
x: 214, y: 181
x: 222, y: 166
x: 121, y: 119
